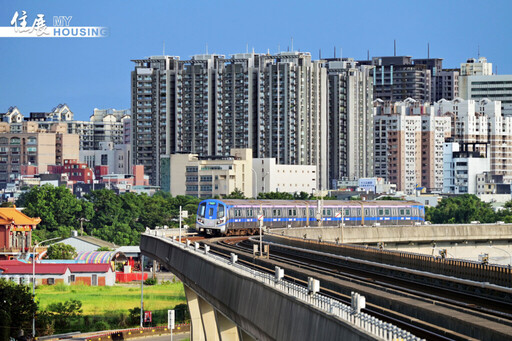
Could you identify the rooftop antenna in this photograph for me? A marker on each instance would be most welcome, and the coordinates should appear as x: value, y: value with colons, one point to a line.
x: 253, y: 50
x: 428, y: 50
x: 395, y: 48
x: 334, y: 52
x: 341, y: 53
x: 319, y: 53
x: 367, y: 54
x: 292, y: 44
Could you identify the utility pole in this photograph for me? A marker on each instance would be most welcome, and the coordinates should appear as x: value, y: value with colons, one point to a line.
x: 142, y: 292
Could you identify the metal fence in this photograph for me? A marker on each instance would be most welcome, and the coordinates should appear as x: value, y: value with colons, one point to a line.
x: 368, y: 323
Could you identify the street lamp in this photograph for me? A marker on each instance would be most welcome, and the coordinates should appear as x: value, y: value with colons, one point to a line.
x: 82, y: 224
x: 34, y: 280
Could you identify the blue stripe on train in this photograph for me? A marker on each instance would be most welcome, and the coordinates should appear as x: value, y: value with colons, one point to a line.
x: 249, y: 220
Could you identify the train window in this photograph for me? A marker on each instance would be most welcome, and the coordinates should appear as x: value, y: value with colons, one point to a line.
x: 366, y: 212
x: 276, y: 213
x: 347, y: 212
x: 358, y: 212
x: 249, y: 212
x: 220, y: 211
x: 238, y: 213
x: 401, y: 212
x: 327, y: 212
x: 407, y: 212
x: 210, y: 211
x: 381, y: 211
x: 386, y: 212
x: 202, y: 209
x: 304, y: 212
x: 292, y: 213
x: 311, y: 212
x: 264, y: 212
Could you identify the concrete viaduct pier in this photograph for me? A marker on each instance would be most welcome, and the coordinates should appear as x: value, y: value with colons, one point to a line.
x: 229, y: 301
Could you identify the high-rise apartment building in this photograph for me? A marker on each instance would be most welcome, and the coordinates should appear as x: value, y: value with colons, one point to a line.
x: 351, y: 123
x: 398, y: 78
x: 480, y: 125
x: 274, y: 104
x: 476, y: 81
x: 409, y: 138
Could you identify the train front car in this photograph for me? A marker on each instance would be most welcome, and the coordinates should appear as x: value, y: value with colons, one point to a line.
x: 211, y: 217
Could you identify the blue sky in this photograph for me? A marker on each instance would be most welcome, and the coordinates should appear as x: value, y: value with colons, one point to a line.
x: 36, y: 74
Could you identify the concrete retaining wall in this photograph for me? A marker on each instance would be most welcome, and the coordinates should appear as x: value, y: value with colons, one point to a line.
x: 264, y: 313
x: 404, y: 234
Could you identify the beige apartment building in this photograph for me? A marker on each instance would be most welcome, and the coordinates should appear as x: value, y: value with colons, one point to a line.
x: 24, y: 143
x: 409, y: 138
x: 207, y: 176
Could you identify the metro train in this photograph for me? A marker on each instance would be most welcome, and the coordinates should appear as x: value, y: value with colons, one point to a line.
x: 241, y: 217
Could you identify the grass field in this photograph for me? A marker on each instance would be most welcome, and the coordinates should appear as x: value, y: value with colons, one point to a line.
x: 118, y: 298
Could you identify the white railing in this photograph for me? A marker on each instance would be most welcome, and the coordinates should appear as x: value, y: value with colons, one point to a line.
x: 368, y: 323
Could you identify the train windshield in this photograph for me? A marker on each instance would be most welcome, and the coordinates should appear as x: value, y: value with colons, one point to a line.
x: 220, y: 211
x: 202, y: 209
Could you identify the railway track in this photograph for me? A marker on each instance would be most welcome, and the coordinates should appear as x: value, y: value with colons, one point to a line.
x: 444, y: 309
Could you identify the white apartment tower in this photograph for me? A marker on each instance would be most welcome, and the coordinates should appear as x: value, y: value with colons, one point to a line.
x: 477, y: 82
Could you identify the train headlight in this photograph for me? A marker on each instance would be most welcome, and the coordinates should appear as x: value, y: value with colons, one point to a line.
x: 220, y: 221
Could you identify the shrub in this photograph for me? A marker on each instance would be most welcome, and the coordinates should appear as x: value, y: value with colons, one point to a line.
x: 150, y: 281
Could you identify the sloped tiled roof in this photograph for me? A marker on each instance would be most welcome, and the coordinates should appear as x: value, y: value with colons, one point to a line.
x: 12, y: 215
x: 41, y: 269
x: 96, y: 241
x: 18, y: 268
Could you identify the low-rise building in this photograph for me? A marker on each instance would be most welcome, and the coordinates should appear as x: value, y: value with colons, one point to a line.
x: 15, y: 232
x: 270, y: 176
x: 50, y: 274
x: 207, y: 176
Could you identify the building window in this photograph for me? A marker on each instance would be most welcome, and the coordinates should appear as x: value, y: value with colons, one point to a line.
x: 104, y: 160
x: 51, y: 281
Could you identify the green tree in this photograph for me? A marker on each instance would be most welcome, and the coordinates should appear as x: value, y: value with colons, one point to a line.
x: 57, y: 207
x: 276, y: 196
x: 103, y: 248
x: 236, y: 194
x: 460, y: 209
x: 65, y: 314
x: 61, y: 251
x: 17, y: 308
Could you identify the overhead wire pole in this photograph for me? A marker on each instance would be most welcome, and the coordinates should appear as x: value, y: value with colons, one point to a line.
x: 142, y: 292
